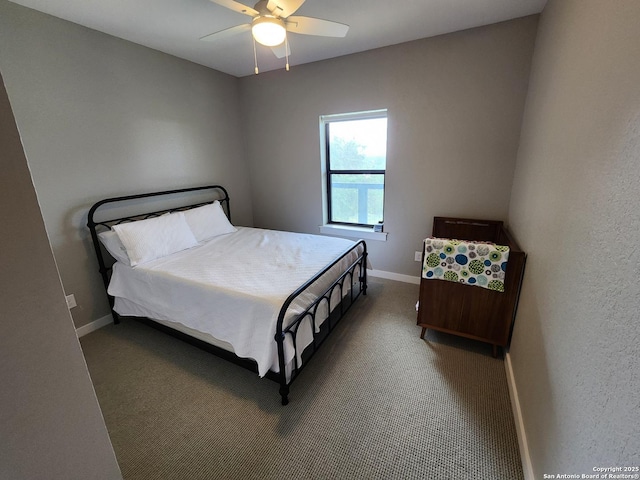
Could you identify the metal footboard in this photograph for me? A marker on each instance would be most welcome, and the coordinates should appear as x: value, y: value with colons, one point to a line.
x: 359, y: 267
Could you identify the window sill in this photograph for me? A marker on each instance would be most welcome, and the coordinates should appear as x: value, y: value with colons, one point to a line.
x: 353, y: 232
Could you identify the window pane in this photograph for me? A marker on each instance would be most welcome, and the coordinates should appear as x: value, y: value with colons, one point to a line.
x: 357, y: 198
x: 358, y: 144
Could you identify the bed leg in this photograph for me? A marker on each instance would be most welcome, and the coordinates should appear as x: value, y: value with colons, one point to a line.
x: 116, y: 317
x: 284, y: 393
x: 363, y: 270
x: 363, y: 284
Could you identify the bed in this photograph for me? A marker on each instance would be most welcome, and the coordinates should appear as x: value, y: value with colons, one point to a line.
x: 263, y: 299
x: 455, y: 297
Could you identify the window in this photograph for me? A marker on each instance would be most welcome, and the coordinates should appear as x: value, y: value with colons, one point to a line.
x: 355, y: 162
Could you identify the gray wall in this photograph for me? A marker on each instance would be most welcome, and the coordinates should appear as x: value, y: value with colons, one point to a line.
x: 102, y: 117
x: 50, y: 421
x: 455, y: 106
x: 574, y: 208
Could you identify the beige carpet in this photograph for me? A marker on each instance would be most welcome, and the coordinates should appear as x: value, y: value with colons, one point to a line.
x: 376, y: 402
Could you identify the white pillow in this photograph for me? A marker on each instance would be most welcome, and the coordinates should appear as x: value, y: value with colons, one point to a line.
x: 146, y: 240
x: 114, y: 246
x: 208, y: 221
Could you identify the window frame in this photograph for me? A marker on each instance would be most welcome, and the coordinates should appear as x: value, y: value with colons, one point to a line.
x: 325, y: 122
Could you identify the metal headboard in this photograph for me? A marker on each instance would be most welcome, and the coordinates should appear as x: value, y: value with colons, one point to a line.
x: 217, y: 193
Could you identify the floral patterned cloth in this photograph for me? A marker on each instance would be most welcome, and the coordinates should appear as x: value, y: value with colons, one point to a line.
x: 473, y: 263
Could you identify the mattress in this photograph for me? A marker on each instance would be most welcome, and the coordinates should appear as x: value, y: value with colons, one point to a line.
x: 232, y: 288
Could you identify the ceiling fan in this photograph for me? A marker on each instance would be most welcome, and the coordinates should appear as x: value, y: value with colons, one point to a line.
x: 272, y: 19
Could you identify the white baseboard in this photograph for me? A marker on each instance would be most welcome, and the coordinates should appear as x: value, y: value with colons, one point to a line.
x: 93, y: 326
x: 394, y: 276
x: 517, y: 416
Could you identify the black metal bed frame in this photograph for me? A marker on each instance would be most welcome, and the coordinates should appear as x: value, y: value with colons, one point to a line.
x: 324, y: 326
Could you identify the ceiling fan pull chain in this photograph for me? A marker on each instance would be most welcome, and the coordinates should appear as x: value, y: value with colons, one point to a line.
x: 286, y: 50
x: 255, y: 56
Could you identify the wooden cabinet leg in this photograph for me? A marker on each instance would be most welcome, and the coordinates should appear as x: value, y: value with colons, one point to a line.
x: 495, y: 351
x: 424, y: 329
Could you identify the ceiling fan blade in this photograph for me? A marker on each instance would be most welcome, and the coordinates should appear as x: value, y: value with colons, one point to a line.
x: 227, y: 32
x: 281, y: 51
x: 284, y: 8
x: 237, y: 7
x: 316, y: 26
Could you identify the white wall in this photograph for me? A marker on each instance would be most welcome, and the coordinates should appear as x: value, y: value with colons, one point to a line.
x: 455, y: 106
x: 102, y: 117
x: 574, y: 209
x: 50, y: 421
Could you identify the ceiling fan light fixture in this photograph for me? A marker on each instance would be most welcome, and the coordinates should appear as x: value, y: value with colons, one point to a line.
x: 268, y: 31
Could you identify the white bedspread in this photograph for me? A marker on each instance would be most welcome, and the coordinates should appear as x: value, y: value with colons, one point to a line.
x: 233, y: 287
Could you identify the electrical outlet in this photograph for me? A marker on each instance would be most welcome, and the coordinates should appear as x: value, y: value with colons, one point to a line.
x: 71, y: 301
x: 418, y: 256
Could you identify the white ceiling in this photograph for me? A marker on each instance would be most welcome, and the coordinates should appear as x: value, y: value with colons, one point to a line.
x: 175, y: 26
